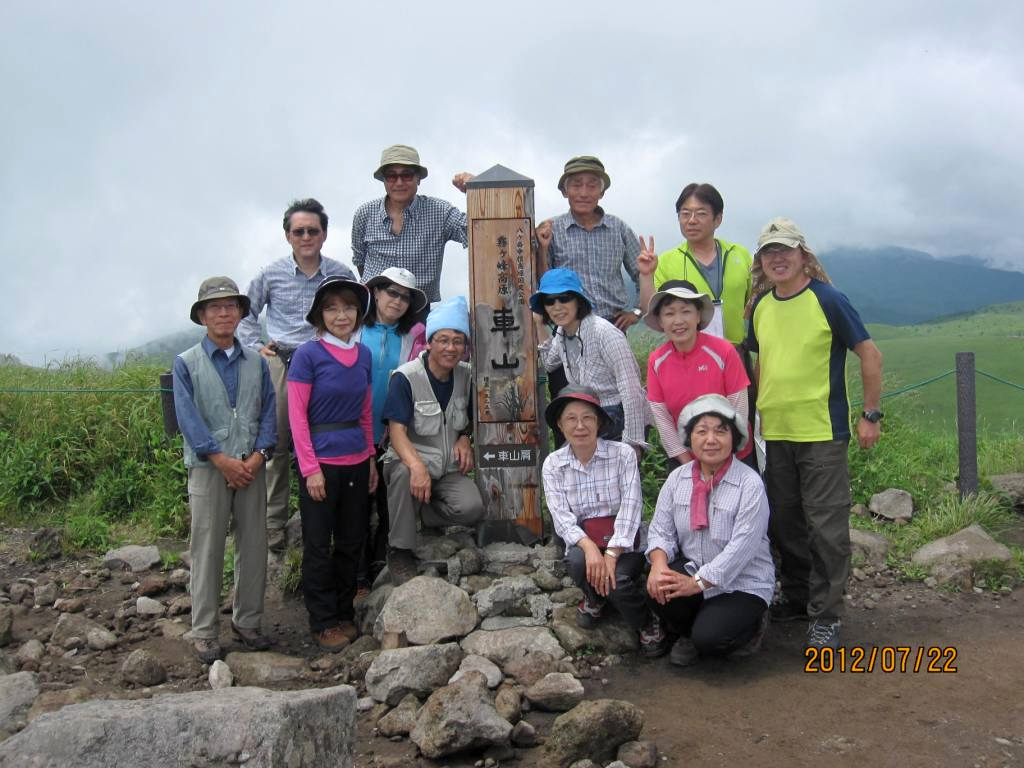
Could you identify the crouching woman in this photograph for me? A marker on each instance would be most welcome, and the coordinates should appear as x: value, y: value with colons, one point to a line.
x: 711, y: 575
x: 592, y: 489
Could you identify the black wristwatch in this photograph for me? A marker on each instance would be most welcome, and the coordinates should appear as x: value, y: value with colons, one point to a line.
x: 874, y: 416
x: 266, y: 453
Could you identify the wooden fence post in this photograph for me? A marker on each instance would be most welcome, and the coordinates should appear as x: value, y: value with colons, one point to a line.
x: 508, y: 421
x: 167, y: 404
x: 966, y: 424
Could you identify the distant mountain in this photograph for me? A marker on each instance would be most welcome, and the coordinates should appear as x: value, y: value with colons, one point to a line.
x: 163, y: 349
x: 899, y: 286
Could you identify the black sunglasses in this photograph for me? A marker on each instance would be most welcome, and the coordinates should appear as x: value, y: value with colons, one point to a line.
x: 562, y: 298
x: 303, y: 231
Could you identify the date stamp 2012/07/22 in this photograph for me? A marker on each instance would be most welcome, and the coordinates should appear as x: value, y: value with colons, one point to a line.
x: 885, y: 658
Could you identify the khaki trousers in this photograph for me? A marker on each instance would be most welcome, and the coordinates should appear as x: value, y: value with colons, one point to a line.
x: 279, y: 467
x: 216, y: 509
x: 454, y: 500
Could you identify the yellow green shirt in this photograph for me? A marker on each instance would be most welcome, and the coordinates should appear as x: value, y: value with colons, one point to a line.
x: 802, y: 342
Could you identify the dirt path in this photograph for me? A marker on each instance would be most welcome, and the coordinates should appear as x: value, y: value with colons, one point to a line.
x: 764, y: 711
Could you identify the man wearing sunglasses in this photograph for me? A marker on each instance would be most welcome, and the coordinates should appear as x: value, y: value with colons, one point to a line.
x: 403, y: 228
x: 286, y: 287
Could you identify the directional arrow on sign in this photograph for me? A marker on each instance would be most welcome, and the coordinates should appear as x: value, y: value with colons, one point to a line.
x: 489, y: 456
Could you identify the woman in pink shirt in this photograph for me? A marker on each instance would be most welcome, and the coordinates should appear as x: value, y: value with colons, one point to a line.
x: 330, y: 409
x: 690, y: 364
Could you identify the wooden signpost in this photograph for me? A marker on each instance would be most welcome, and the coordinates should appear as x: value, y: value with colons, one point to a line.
x: 510, y: 435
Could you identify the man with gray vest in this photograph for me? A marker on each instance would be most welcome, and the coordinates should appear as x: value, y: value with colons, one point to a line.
x: 429, y: 425
x: 224, y: 399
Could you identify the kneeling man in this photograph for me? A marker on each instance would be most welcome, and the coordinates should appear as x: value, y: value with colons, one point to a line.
x: 429, y: 424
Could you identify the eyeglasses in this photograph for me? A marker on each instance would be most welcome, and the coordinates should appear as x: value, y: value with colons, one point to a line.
x: 303, y: 231
x: 562, y: 298
x: 701, y: 214
x: 392, y: 176
x: 398, y: 294
x: 456, y: 342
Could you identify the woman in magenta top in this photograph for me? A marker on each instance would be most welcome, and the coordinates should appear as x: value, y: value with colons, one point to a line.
x: 330, y: 409
x: 690, y: 364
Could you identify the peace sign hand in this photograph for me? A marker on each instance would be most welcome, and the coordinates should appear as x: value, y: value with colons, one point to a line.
x: 647, y: 259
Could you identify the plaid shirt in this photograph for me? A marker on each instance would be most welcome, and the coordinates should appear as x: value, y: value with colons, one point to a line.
x: 732, y: 552
x: 603, y: 361
x: 597, y: 257
x: 607, y: 486
x: 428, y: 223
x: 287, y: 294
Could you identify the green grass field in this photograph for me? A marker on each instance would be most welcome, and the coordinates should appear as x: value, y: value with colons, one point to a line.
x: 919, y: 352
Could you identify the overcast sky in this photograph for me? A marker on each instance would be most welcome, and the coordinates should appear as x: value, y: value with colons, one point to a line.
x: 146, y: 146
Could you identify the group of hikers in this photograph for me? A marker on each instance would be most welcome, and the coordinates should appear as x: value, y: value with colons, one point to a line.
x: 366, y: 389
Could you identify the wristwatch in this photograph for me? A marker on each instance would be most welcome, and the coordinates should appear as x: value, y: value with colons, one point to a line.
x: 700, y: 583
x: 636, y: 311
x: 266, y: 453
x: 874, y: 416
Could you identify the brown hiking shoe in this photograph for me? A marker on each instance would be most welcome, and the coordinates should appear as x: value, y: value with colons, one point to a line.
x: 252, y: 639
x: 331, y: 639
x: 349, y: 630
x: 206, y: 649
x: 276, y: 539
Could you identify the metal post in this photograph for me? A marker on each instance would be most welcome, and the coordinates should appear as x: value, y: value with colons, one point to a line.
x: 167, y: 404
x: 966, y: 424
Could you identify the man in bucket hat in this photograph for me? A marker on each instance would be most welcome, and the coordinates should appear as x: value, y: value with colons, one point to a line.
x: 430, y: 425
x: 403, y: 228
x: 286, y: 287
x: 801, y: 327
x: 225, y: 401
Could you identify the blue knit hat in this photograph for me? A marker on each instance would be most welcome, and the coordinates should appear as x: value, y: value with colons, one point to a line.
x: 453, y: 314
x: 555, y: 282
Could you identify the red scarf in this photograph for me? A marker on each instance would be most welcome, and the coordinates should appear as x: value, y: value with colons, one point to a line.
x: 701, y: 492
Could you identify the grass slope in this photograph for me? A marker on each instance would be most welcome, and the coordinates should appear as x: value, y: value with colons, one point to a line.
x: 918, y: 352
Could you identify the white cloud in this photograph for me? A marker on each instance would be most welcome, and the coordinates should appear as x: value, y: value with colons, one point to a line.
x: 146, y: 147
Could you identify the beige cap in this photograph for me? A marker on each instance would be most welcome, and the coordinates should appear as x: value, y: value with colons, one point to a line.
x: 399, y: 154
x: 784, y: 232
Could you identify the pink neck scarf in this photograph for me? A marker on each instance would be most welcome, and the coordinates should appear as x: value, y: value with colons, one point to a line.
x: 701, y: 491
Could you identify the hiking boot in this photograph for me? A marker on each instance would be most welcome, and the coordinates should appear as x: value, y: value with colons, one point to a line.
x: 753, y: 645
x: 822, y: 633
x: 788, y: 610
x: 588, y: 613
x: 684, y: 652
x: 276, y: 539
x: 653, y: 641
x: 331, y: 639
x: 252, y: 639
x: 349, y: 630
x: 206, y: 649
x: 401, y: 565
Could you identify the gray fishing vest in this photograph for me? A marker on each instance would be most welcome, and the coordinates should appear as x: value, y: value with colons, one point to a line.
x: 432, y: 432
x: 234, y: 428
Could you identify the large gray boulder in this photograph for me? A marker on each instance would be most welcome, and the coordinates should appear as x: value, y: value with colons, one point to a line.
x: 74, y: 630
x: 17, y: 692
x: 504, y: 593
x: 418, y: 670
x: 872, y: 547
x: 611, y: 635
x: 555, y: 692
x: 459, y: 717
x: 592, y: 730
x: 264, y: 668
x: 133, y: 556
x: 251, y: 726
x: 971, y: 545
x: 893, y: 504
x: 428, y: 610
x: 1012, y: 486
x: 503, y: 645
